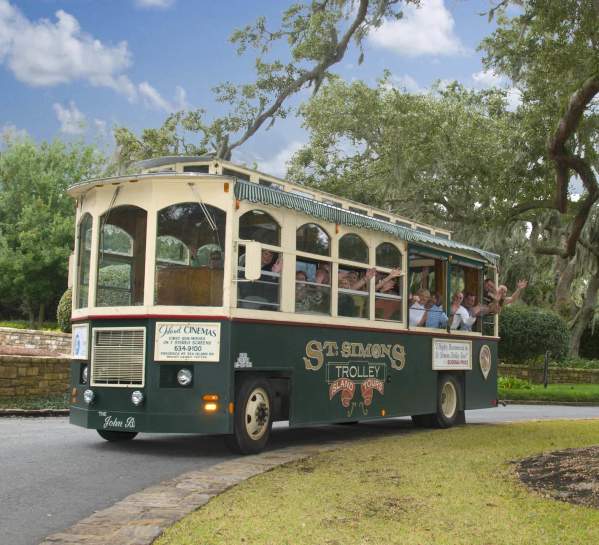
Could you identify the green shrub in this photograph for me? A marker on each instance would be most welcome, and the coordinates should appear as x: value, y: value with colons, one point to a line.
x: 513, y: 383
x: 527, y: 332
x: 63, y: 312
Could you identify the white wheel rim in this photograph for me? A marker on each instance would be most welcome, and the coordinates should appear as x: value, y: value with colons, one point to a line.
x: 449, y: 400
x: 257, y: 414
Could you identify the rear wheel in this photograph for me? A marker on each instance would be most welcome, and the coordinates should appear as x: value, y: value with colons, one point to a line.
x: 113, y: 436
x: 252, y: 420
x: 448, y: 402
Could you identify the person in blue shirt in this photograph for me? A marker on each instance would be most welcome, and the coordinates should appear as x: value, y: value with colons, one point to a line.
x: 436, y: 316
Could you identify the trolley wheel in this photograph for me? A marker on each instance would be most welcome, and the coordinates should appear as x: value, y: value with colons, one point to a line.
x: 252, y: 420
x: 448, y: 403
x: 113, y: 436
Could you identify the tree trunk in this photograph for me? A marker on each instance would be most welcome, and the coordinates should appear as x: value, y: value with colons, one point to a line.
x: 584, y: 316
x: 41, y: 315
x: 563, y: 300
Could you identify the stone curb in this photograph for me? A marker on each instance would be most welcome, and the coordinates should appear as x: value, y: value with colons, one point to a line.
x: 539, y: 402
x: 142, y: 517
x: 34, y: 412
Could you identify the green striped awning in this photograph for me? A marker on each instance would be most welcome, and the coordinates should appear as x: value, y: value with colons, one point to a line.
x: 252, y: 192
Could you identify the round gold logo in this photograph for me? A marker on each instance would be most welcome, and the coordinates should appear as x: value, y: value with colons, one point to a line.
x: 484, y: 358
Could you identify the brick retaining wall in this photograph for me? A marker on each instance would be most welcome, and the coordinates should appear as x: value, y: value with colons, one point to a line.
x: 34, y: 339
x: 559, y: 375
x: 33, y: 376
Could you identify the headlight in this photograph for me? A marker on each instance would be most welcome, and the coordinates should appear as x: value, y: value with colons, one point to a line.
x: 184, y: 377
x: 85, y: 374
x: 88, y: 396
x: 137, y: 398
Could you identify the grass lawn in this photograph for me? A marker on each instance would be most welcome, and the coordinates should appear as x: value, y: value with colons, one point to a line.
x: 436, y: 487
x: 554, y: 392
x: 33, y: 403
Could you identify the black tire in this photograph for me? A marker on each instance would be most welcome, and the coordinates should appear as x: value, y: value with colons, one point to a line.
x: 252, y: 420
x: 114, y: 436
x: 449, y: 401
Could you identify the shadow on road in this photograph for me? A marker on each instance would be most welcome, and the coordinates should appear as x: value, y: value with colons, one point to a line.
x: 204, y: 446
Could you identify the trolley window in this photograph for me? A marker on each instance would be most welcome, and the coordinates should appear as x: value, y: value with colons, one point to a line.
x: 83, y: 261
x: 190, y: 255
x: 122, y: 257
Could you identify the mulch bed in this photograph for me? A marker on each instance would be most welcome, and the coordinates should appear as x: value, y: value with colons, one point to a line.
x: 21, y: 351
x: 570, y: 475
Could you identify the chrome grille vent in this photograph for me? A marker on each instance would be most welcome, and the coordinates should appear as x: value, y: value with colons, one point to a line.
x: 118, y: 356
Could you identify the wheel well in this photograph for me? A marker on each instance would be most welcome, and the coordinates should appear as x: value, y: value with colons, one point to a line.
x: 280, y: 385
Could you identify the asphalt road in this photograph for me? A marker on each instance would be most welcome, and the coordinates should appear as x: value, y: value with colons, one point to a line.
x: 54, y: 474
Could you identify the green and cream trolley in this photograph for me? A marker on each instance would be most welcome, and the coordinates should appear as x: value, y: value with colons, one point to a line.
x: 210, y: 298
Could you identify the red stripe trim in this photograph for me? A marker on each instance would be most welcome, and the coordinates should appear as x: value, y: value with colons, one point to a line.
x: 281, y: 322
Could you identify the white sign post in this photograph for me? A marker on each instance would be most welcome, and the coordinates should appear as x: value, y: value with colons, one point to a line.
x: 448, y: 355
x: 187, y: 341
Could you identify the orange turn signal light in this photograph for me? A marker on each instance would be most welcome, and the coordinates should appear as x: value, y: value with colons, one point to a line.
x: 383, y: 412
x: 226, y: 187
x: 210, y: 407
x: 210, y: 397
x: 231, y: 408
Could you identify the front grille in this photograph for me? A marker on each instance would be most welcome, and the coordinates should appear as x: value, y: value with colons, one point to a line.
x: 118, y: 356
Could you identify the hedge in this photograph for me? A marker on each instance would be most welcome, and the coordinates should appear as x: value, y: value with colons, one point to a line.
x: 527, y: 332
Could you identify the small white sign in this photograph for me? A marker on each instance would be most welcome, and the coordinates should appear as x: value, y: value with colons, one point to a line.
x: 79, y: 341
x: 187, y: 341
x: 452, y: 355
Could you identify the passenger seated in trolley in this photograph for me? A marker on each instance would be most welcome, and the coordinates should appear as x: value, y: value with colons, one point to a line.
x: 262, y: 293
x: 436, y: 316
x: 312, y: 294
x: 461, y: 318
x: 388, y: 301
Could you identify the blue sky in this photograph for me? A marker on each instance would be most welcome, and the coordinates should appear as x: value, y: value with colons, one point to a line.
x: 73, y: 69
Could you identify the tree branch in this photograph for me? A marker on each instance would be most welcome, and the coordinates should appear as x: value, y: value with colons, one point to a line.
x: 312, y: 76
x: 566, y: 127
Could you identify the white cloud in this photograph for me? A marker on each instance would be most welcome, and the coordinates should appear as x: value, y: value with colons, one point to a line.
x: 488, y: 78
x: 154, y: 3
x: 153, y: 99
x: 277, y: 165
x: 72, y: 121
x: 101, y: 126
x: 10, y: 132
x: 427, y: 30
x: 406, y: 83
x: 45, y: 53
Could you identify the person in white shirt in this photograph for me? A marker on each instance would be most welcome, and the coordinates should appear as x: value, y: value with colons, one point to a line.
x: 461, y: 317
x: 418, y: 310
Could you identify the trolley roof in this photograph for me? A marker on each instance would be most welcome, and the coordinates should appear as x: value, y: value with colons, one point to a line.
x: 258, y: 187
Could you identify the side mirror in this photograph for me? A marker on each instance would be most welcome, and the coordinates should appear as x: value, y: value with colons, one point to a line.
x: 253, y: 260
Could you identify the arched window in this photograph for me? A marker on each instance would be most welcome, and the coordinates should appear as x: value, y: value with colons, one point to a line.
x: 122, y: 257
x: 83, y: 261
x: 388, y: 255
x: 259, y: 226
x: 313, y: 239
x: 354, y: 248
x: 190, y: 255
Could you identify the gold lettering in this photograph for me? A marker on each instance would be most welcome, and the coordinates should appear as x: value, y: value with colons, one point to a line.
x: 346, y: 349
x: 331, y: 348
x: 313, y: 352
x: 398, y: 353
